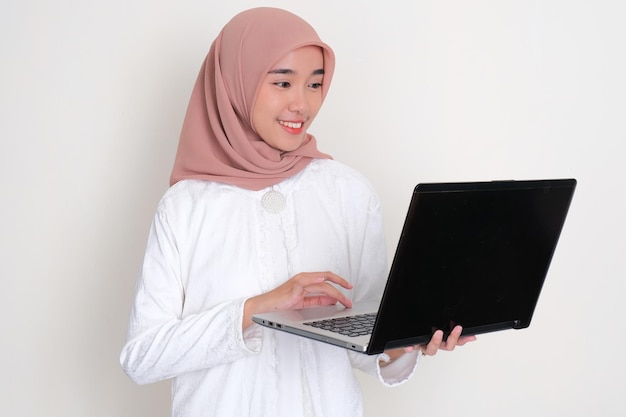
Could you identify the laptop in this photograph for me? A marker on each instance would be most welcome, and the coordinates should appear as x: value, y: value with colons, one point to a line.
x: 470, y: 253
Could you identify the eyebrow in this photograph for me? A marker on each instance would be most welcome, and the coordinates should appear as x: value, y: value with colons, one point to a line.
x: 291, y: 72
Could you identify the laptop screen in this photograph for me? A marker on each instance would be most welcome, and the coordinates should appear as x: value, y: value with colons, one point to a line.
x: 473, y: 254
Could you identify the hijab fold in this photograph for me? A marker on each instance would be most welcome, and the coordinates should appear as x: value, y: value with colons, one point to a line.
x: 217, y: 141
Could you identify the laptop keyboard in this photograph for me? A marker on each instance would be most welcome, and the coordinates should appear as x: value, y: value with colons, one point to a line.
x: 357, y: 325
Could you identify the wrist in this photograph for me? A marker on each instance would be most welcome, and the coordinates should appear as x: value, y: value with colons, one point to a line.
x: 389, y: 356
x: 250, y: 307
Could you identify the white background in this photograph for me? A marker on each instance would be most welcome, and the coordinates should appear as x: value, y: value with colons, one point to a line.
x: 92, y: 97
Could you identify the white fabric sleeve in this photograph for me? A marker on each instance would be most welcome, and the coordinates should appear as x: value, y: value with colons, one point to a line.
x: 396, y: 373
x: 161, y: 343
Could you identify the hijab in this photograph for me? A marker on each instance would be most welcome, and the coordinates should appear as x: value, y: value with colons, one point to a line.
x: 218, y: 141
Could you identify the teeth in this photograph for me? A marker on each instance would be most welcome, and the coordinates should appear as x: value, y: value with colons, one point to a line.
x: 291, y: 124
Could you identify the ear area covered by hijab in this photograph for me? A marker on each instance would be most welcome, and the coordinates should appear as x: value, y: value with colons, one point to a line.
x: 217, y: 141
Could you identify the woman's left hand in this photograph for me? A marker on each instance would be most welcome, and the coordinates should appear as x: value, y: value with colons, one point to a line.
x: 435, y: 344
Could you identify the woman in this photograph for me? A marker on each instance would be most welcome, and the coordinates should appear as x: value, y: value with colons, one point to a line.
x: 257, y: 219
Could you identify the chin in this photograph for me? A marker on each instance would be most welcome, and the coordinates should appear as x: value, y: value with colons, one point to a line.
x: 291, y: 145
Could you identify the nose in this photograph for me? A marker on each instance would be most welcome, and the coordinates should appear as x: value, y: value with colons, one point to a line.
x: 298, y: 102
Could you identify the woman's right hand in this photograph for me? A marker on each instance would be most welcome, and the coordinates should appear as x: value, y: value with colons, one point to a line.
x: 306, y: 289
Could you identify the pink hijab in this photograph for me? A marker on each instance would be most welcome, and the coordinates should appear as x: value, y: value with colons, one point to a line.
x: 218, y: 142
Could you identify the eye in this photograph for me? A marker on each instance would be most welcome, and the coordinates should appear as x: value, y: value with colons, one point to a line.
x: 315, y: 86
x: 282, y: 84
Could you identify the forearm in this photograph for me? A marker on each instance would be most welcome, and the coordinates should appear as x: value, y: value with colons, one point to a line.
x: 173, y: 347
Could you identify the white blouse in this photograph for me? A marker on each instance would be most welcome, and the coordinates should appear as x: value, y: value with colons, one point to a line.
x: 212, y: 246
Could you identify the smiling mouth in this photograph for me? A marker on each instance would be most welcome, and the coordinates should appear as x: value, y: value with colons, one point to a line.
x: 291, y: 125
